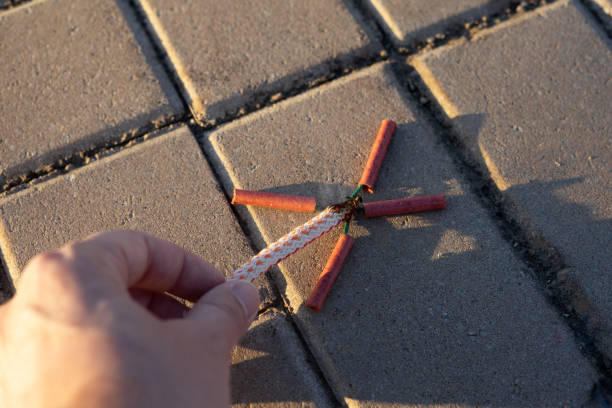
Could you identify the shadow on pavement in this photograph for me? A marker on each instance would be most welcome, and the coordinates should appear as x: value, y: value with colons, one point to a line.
x: 279, y: 372
x: 433, y: 308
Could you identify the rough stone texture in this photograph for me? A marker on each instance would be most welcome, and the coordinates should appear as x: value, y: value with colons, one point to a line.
x: 532, y: 99
x: 229, y: 54
x: 409, y: 21
x: 74, y: 74
x: 270, y: 368
x: 429, y: 309
x: 162, y: 186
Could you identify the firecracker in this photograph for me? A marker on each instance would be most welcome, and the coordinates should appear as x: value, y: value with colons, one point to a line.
x: 327, y: 220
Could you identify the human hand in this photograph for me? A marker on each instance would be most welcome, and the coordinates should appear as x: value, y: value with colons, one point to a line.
x: 91, y: 327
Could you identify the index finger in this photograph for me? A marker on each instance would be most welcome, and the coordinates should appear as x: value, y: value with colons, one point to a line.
x: 143, y: 261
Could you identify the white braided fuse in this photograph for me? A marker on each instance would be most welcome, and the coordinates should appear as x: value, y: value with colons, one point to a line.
x: 292, y: 242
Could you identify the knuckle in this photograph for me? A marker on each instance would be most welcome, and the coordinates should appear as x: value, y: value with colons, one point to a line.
x: 72, y: 250
x: 46, y: 263
x: 83, y: 255
x: 48, y: 269
x: 46, y: 258
x: 103, y: 250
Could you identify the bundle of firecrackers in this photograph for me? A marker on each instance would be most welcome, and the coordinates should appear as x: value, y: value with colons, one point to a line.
x: 331, y: 217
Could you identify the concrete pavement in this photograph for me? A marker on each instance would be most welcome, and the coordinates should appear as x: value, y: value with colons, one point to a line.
x: 146, y: 114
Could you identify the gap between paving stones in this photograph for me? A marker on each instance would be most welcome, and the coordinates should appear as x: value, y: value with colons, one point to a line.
x: 303, y: 357
x: 303, y: 81
x: 81, y: 158
x: 545, y: 263
x: 159, y: 53
x: 298, y: 82
x: 310, y: 359
x: 12, y: 3
x: 603, y: 19
x: 452, y: 31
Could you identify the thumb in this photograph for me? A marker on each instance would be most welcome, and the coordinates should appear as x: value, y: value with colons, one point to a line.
x: 226, y: 311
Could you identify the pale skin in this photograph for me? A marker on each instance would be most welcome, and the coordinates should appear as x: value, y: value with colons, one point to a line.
x: 91, y: 326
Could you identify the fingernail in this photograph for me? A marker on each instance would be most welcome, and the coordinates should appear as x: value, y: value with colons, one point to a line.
x: 248, y: 296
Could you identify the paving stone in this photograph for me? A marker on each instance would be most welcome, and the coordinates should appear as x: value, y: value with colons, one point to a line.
x: 231, y: 54
x: 74, y: 74
x: 531, y: 98
x: 271, y: 369
x: 410, y: 21
x: 162, y: 186
x: 429, y: 309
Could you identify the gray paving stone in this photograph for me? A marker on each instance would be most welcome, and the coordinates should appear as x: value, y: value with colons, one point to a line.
x: 229, y: 54
x: 162, y: 186
x: 74, y: 74
x: 409, y: 21
x: 430, y: 308
x: 531, y: 97
x: 271, y: 369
